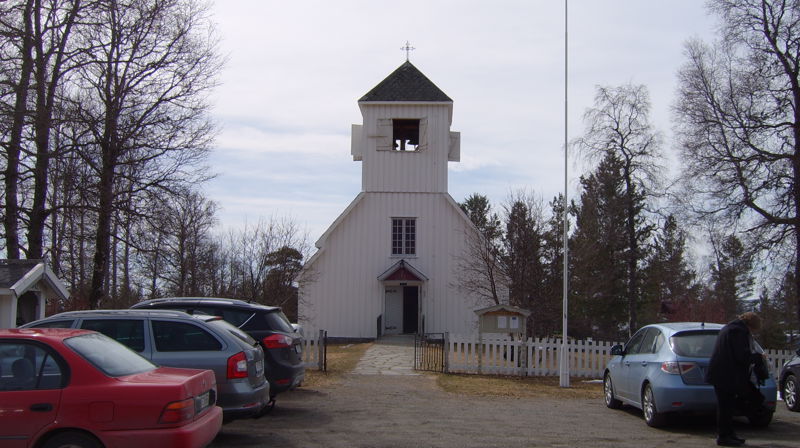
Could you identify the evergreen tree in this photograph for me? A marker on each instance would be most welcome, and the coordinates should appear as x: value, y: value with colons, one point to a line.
x: 521, y: 256
x: 669, y: 288
x: 773, y: 329
x: 551, y: 294
x: 731, y: 279
x: 598, y: 302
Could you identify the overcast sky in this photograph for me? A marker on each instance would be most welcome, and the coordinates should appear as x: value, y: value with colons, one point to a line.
x: 296, y: 70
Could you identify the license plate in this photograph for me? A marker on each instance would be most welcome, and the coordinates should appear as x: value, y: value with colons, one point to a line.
x: 203, y: 401
x: 259, y: 367
x: 298, y: 349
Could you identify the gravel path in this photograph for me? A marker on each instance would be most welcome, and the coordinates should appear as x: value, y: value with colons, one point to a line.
x: 380, y: 405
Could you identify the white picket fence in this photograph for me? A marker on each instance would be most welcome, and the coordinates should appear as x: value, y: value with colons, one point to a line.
x: 313, y: 349
x: 541, y: 356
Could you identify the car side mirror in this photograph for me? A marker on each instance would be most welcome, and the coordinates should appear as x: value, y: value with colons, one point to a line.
x: 798, y: 352
x: 617, y: 350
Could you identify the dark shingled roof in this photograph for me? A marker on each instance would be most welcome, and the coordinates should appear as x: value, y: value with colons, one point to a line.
x: 406, y: 83
x: 13, y: 270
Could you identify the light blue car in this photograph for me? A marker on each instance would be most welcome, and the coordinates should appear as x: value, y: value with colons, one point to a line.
x: 661, y: 369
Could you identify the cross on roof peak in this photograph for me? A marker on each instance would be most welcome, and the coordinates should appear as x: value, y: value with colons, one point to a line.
x: 408, y: 48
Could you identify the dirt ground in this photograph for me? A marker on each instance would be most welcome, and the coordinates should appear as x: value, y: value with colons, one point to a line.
x: 413, y: 411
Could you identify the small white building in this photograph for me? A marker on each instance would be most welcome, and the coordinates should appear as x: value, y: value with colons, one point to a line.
x: 25, y: 285
x: 388, y: 264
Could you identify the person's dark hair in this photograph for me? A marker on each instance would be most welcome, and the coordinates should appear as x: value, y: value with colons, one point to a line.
x: 752, y: 320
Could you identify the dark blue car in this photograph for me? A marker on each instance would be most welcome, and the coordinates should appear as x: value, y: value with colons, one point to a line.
x: 661, y: 371
x: 790, y: 382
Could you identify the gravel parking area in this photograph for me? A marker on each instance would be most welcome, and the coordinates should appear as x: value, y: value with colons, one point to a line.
x: 412, y: 411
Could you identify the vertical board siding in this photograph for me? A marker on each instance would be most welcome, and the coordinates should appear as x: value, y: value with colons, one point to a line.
x: 342, y: 293
x: 422, y: 171
x: 346, y: 297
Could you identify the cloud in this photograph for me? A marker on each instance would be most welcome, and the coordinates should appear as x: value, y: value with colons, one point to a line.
x: 297, y: 69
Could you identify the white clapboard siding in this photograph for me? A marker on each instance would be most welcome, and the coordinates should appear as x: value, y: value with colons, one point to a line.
x: 339, y: 286
x: 541, y: 357
x: 405, y: 171
x: 344, y: 294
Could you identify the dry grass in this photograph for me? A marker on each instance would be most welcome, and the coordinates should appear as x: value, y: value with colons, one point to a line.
x: 341, y: 359
x: 527, y: 387
x: 344, y: 357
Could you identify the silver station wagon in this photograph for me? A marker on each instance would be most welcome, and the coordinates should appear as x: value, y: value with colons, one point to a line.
x: 176, y: 339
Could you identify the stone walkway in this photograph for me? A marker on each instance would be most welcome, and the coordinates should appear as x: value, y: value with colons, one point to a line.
x: 389, y: 355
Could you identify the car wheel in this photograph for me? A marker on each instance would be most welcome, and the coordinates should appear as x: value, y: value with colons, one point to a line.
x: 608, y: 391
x: 651, y: 414
x: 760, y: 420
x: 72, y: 440
x: 790, y: 393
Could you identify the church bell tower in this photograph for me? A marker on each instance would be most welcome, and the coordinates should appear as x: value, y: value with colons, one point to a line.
x: 405, y: 141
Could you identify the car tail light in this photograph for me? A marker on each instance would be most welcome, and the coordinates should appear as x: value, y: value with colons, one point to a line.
x: 177, y: 411
x: 237, y: 366
x: 677, y: 368
x: 277, y: 341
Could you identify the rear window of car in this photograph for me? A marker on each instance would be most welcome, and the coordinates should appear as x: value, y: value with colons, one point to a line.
x: 108, y: 355
x: 173, y: 336
x: 226, y: 326
x: 278, y: 321
x: 268, y: 320
x: 694, y: 344
x: 129, y: 332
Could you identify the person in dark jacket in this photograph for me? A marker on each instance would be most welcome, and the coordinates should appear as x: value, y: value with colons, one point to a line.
x: 729, y: 372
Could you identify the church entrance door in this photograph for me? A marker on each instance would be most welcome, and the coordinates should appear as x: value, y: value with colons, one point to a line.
x: 393, y: 313
x: 402, y: 309
x: 410, y: 308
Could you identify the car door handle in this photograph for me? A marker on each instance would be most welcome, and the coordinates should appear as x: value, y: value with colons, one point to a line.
x: 41, y: 407
x: 644, y: 363
x: 627, y: 363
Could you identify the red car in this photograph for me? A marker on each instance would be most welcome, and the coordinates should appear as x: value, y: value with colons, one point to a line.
x: 80, y: 389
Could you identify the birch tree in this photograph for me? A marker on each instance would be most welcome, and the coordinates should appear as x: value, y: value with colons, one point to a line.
x: 618, y: 125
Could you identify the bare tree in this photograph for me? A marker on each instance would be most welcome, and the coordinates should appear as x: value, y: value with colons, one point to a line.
x: 618, y: 124
x: 17, y: 26
x: 142, y: 96
x: 479, y: 269
x: 186, y: 232
x: 54, y: 58
x: 254, y: 254
x: 738, y: 115
x: 37, y: 68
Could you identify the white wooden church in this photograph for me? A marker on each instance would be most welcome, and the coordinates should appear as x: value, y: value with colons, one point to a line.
x: 388, y: 264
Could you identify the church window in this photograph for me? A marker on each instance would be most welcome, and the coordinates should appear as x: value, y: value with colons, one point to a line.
x: 404, y: 236
x: 405, y: 135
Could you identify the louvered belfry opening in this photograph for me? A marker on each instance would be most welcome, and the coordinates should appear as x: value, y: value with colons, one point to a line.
x: 405, y: 134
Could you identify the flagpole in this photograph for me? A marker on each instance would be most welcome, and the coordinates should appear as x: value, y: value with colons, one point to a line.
x: 564, y: 362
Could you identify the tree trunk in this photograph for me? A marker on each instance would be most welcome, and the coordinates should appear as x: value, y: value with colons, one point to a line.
x: 103, y: 233
x: 632, y: 252
x: 15, y: 144
x: 45, y: 103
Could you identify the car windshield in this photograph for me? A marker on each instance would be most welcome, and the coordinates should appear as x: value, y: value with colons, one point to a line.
x: 694, y: 344
x: 108, y: 355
